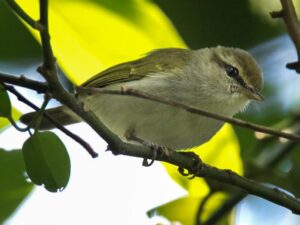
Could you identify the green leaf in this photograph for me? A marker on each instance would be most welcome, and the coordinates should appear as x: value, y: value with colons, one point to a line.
x: 47, y: 161
x: 5, y: 105
x: 13, y: 188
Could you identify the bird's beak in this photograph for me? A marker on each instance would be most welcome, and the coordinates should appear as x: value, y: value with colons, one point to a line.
x: 254, y: 95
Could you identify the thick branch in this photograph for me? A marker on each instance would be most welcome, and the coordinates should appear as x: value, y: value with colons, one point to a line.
x: 49, y: 60
x: 119, y: 147
x: 288, y: 13
x: 227, y: 176
x: 237, y: 197
x: 192, y: 109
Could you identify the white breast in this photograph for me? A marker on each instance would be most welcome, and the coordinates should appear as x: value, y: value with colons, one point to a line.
x: 155, y: 122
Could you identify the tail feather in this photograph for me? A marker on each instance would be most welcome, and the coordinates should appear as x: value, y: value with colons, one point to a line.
x: 61, y: 114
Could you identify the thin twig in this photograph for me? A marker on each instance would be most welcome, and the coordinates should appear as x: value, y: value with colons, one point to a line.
x: 225, y: 208
x: 288, y: 13
x: 22, y: 81
x: 21, y: 13
x: 15, y: 125
x: 75, y: 137
x: 192, y: 109
x: 202, y: 207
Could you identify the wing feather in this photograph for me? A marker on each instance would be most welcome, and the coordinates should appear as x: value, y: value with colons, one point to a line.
x: 161, y: 60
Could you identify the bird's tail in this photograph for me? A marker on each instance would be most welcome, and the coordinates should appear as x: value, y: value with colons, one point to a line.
x: 61, y: 114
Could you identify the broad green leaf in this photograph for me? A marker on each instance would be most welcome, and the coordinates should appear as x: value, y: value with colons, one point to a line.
x: 184, y: 210
x: 13, y: 188
x: 221, y: 151
x: 47, y: 161
x: 88, y: 36
x: 5, y: 105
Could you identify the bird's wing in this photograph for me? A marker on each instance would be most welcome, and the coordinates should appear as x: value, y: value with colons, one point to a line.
x: 162, y: 60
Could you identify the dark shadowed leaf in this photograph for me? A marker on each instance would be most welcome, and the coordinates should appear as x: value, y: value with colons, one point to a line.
x: 5, y: 105
x: 13, y: 188
x: 294, y: 172
x: 47, y: 161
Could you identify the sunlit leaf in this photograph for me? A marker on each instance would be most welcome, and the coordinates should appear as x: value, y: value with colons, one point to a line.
x: 184, y: 210
x: 5, y: 105
x: 47, y: 161
x: 107, y: 33
x: 13, y: 188
x: 221, y: 151
x: 5, y: 122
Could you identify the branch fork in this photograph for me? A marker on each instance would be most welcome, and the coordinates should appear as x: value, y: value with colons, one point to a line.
x: 116, y: 145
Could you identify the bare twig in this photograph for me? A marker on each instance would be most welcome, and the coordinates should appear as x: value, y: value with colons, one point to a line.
x: 288, y: 13
x: 75, y: 137
x: 21, y: 13
x: 201, y: 207
x: 192, y: 109
x: 22, y: 81
x: 225, y: 208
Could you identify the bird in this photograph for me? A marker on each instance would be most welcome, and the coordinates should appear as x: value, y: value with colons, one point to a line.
x: 221, y: 80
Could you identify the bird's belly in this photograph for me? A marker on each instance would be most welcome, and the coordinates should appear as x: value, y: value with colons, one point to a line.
x: 153, y: 122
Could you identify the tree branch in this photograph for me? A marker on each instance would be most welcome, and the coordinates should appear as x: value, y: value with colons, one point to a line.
x: 201, y: 207
x: 49, y: 60
x: 22, y: 81
x: 119, y: 147
x: 288, y: 13
x: 75, y: 137
x: 21, y: 13
x: 237, y: 197
x: 225, y: 208
x: 192, y: 109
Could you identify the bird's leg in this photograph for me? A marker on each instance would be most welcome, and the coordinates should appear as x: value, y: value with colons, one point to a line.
x: 196, y: 168
x: 156, y: 149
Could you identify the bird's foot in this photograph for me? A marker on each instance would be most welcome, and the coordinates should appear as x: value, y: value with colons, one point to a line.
x: 157, y: 150
x: 196, y: 168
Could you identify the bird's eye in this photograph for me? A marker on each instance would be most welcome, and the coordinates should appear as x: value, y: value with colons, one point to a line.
x: 231, y: 71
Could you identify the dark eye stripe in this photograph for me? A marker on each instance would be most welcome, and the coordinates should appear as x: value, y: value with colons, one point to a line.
x: 240, y: 80
x: 233, y: 72
x: 230, y: 70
